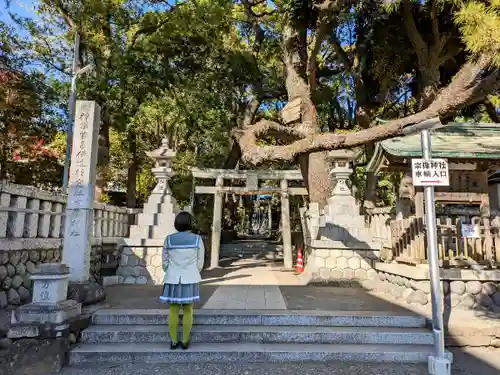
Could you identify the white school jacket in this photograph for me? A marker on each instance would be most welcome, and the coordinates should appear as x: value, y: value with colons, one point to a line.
x: 183, y: 258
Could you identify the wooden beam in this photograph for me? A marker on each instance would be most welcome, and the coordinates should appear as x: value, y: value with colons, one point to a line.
x: 241, y: 190
x: 242, y: 174
x: 459, y: 197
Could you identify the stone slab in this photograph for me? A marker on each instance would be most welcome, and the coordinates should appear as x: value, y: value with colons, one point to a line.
x: 101, y: 334
x: 50, y: 313
x: 246, y: 297
x: 264, y: 317
x: 50, y: 269
x: 220, y: 352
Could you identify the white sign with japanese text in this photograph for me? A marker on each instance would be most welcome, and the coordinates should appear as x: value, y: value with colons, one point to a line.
x: 432, y: 172
x: 470, y: 231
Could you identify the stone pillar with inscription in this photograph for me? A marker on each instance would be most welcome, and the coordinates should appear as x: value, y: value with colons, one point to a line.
x: 79, y: 209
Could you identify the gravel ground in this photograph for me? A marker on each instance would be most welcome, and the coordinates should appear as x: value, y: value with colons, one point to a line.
x: 470, y: 362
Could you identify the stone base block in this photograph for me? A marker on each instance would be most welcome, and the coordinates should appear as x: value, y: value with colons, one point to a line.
x: 87, y: 293
x: 140, y: 265
x: 341, y: 266
x: 55, y: 313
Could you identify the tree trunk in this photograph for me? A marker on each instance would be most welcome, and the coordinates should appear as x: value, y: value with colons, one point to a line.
x: 429, y: 80
x: 492, y: 111
x: 132, y: 171
x: 314, y: 167
x: 102, y: 160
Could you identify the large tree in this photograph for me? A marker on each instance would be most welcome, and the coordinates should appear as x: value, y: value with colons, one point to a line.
x: 205, y: 71
x: 463, y: 35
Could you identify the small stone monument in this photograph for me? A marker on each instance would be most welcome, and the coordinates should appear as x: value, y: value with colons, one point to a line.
x: 341, y: 171
x: 342, y: 214
x: 141, y: 257
x: 163, y: 169
x: 49, y: 305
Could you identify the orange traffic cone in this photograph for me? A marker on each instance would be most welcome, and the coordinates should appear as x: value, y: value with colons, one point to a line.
x: 299, y: 267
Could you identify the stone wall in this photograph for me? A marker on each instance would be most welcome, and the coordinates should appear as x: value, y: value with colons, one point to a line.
x: 462, y: 289
x: 15, y: 270
x: 339, y: 264
x: 17, y: 266
x: 139, y: 265
x: 31, y: 233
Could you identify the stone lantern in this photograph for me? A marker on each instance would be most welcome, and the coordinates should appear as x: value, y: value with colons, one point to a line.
x: 163, y: 172
x: 341, y: 171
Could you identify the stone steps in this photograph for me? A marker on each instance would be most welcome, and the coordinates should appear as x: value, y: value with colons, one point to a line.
x: 265, y: 318
x: 249, y: 352
x: 119, y: 336
x: 252, y: 249
x: 260, y: 334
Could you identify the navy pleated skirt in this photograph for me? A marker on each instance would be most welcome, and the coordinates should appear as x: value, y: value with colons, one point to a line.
x: 180, y: 293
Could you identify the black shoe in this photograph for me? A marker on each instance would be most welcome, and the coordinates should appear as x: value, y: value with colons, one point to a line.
x: 174, y: 346
x: 184, y: 346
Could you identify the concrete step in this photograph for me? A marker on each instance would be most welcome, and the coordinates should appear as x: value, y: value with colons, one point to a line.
x: 251, y: 245
x: 263, y: 318
x: 148, y: 218
x: 255, y: 255
x: 249, y: 352
x: 152, y: 231
x: 101, y: 334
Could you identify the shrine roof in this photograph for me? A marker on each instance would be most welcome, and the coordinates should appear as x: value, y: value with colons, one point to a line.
x: 453, y: 141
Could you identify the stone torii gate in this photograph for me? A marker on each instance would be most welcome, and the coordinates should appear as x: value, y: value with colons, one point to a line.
x: 252, y: 187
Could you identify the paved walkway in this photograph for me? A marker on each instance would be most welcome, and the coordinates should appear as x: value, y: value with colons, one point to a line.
x: 248, y: 297
x: 254, y: 297
x: 255, y: 285
x: 251, y: 272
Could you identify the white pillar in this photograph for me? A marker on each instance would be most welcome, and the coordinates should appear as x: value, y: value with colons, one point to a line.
x: 285, y: 226
x: 79, y: 217
x: 217, y: 224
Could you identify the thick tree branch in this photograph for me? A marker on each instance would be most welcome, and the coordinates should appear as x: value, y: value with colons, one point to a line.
x: 419, y: 45
x: 492, y: 111
x: 435, y: 24
x: 326, y: 10
x: 468, y: 86
x: 341, y: 53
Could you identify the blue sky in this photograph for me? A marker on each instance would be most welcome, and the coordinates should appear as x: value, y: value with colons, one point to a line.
x: 23, y: 8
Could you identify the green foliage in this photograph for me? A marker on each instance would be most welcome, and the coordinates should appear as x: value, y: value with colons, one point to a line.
x: 187, y: 71
x: 480, y: 27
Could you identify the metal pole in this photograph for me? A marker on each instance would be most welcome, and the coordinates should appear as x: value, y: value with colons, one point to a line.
x: 430, y: 219
x: 71, y: 110
x: 69, y: 134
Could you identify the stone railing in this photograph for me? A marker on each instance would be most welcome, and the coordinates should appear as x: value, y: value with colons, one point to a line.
x: 31, y: 218
x: 31, y: 233
x: 378, y: 221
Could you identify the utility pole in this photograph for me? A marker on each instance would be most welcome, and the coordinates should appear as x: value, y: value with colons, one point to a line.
x: 71, y: 109
x: 438, y: 364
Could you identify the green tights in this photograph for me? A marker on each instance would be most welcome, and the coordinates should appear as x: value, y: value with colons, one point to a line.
x: 187, y: 321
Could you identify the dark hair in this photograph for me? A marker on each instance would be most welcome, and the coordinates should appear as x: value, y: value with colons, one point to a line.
x: 183, y: 222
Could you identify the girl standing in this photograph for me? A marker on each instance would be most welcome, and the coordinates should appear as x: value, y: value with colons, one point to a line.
x: 183, y: 257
